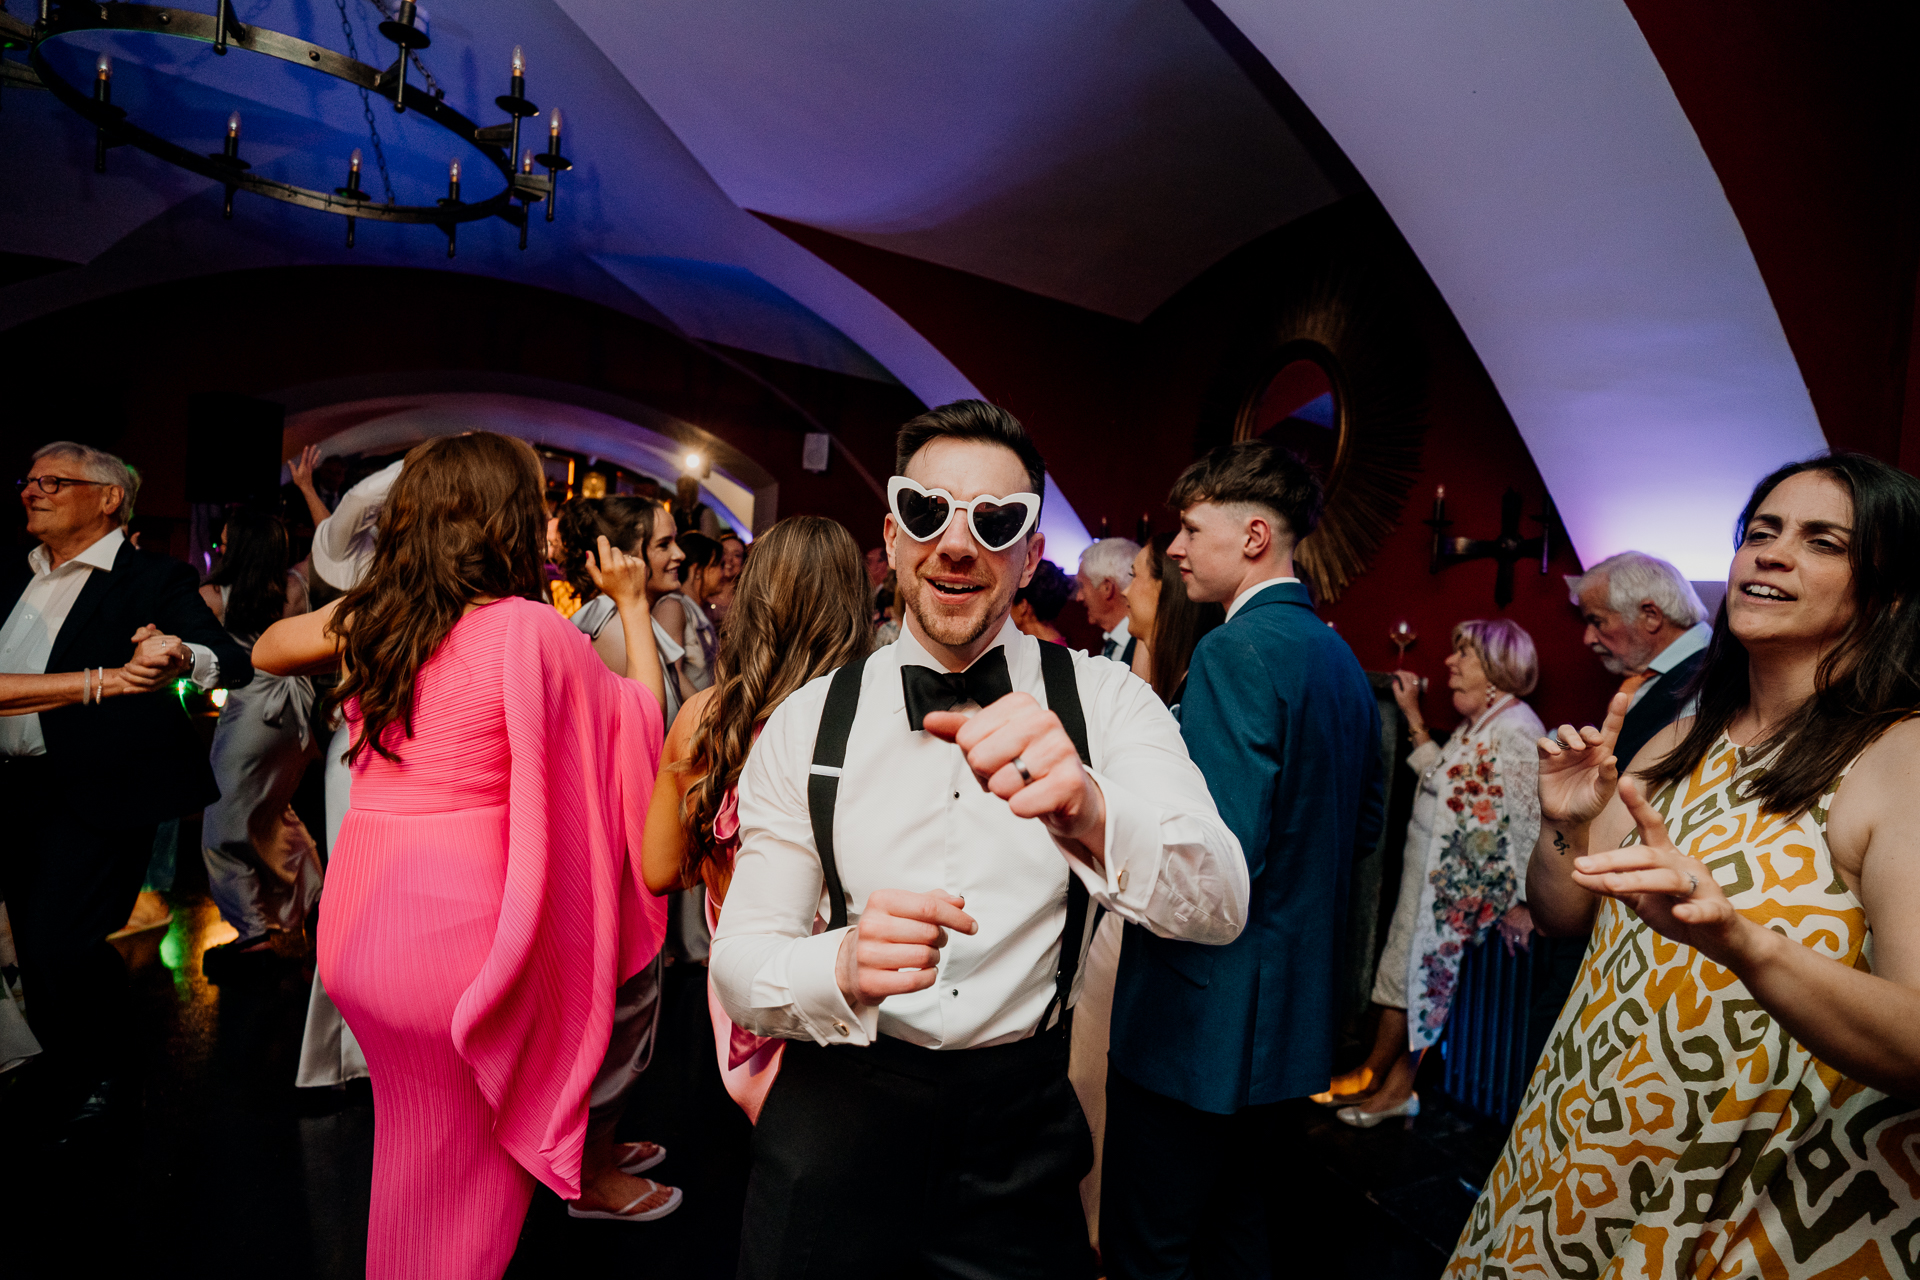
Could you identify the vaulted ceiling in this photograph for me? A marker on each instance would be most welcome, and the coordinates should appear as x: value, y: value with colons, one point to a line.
x: 1099, y: 152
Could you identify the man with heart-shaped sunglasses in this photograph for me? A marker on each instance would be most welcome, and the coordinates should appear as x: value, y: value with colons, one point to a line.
x: 952, y: 810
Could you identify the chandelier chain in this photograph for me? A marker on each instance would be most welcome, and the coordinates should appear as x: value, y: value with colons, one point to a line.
x: 413, y: 56
x: 366, y: 104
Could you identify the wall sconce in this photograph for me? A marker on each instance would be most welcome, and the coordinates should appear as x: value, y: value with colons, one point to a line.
x: 1508, y: 549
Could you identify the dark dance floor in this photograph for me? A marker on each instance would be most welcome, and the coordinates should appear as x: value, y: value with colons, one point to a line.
x: 221, y: 1168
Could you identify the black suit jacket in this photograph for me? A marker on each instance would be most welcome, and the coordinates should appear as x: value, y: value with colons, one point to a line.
x: 133, y: 759
x: 1660, y: 708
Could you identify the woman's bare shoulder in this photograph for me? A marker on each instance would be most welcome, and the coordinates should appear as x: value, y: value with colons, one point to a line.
x: 1888, y: 771
x: 686, y: 724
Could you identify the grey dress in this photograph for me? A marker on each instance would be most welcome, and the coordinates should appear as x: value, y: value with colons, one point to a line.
x: 262, y: 866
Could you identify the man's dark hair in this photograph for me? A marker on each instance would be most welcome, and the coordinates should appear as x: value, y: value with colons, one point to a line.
x: 970, y: 420
x: 1256, y: 472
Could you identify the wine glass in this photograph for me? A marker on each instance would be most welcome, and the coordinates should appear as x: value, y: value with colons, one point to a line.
x: 1403, y: 635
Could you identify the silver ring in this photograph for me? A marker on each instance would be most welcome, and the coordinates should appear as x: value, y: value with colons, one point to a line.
x: 1693, y: 884
x: 1021, y: 765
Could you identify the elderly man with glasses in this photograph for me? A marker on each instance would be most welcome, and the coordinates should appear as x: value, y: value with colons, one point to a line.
x: 84, y: 785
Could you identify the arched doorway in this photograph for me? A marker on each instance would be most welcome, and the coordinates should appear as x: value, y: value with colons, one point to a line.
x: 643, y: 441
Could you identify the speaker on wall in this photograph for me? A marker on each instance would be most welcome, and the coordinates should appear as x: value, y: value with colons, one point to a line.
x: 233, y: 447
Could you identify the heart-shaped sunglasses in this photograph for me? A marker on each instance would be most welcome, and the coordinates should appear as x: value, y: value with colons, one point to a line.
x: 997, y: 522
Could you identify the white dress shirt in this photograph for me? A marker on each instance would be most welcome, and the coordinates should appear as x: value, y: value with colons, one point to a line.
x: 343, y: 542
x: 26, y: 641
x: 1118, y: 638
x: 1688, y: 643
x: 911, y: 815
x: 1252, y: 591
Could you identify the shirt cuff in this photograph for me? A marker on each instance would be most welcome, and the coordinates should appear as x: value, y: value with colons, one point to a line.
x: 812, y: 970
x: 1133, y: 850
x: 206, y: 666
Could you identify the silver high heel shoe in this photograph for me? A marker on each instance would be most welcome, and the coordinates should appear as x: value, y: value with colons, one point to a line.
x: 1367, y: 1119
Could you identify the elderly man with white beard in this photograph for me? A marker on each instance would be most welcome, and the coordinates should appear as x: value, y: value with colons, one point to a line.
x: 1645, y: 620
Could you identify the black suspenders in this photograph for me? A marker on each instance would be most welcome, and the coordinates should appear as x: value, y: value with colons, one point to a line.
x: 823, y: 790
x: 823, y: 780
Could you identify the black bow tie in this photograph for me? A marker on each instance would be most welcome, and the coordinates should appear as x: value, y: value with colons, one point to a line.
x: 985, y: 682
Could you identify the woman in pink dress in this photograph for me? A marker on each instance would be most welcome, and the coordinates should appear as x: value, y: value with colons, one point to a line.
x: 799, y: 610
x: 485, y: 898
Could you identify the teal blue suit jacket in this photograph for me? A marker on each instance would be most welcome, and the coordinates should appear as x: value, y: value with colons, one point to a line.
x: 1286, y: 729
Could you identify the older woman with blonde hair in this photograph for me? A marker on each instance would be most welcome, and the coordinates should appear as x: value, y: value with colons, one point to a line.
x: 1475, y: 819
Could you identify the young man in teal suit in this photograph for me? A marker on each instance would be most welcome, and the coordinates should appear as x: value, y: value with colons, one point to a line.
x: 1206, y: 1039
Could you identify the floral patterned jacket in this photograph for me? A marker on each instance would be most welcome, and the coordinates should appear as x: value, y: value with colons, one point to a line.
x: 1487, y: 782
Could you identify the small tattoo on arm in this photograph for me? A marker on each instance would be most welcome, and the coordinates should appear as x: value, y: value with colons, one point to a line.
x: 1560, y: 845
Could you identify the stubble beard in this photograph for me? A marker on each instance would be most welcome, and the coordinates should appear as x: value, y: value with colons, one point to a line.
x: 953, y: 632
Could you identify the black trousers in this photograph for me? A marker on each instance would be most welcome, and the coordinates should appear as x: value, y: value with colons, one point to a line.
x: 1189, y: 1193
x: 900, y: 1162
x: 70, y: 876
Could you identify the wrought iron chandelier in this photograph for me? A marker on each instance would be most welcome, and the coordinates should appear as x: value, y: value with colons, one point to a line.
x: 499, y: 144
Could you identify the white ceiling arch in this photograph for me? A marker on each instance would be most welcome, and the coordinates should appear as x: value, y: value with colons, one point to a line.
x: 1535, y: 158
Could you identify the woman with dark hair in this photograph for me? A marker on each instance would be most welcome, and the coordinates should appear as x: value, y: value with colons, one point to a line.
x: 1731, y: 1089
x: 642, y: 528
x: 1167, y: 624
x: 799, y: 612
x: 683, y: 613
x: 263, y: 868
x: 485, y: 899
x: 1037, y: 604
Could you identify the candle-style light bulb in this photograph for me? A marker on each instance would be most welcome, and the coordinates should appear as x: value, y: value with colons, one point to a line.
x: 553, y: 123
x: 233, y: 125
x: 526, y: 161
x: 519, y: 62
x: 104, y: 68
x: 353, y: 164
x: 453, y: 173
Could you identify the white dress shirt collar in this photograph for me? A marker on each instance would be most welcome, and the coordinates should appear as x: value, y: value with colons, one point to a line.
x: 1121, y: 633
x: 1684, y: 646
x: 98, y: 556
x: 1239, y: 601
x: 908, y: 651
x: 1688, y: 643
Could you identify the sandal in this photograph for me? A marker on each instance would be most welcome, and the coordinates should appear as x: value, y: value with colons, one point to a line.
x: 641, y: 1156
x: 626, y: 1213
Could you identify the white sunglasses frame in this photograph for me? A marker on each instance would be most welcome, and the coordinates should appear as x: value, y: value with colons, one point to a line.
x: 955, y: 506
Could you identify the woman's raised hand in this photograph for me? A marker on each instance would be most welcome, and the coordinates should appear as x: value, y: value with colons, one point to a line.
x: 1578, y: 772
x: 1676, y: 895
x: 302, y: 467
x: 620, y: 575
x: 1406, y: 692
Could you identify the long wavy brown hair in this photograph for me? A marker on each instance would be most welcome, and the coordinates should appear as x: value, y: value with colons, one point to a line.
x: 800, y: 610
x: 464, y: 520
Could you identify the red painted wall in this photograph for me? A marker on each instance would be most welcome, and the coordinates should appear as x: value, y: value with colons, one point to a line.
x: 1808, y: 114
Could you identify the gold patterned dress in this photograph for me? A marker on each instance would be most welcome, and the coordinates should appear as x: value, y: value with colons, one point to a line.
x: 1672, y: 1130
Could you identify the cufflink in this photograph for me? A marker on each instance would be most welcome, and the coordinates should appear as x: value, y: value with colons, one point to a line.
x: 1123, y: 879
x: 840, y: 1026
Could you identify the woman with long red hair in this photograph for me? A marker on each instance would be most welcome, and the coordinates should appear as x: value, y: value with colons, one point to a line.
x: 485, y: 898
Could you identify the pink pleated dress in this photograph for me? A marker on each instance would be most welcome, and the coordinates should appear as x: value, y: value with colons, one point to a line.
x: 484, y: 901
